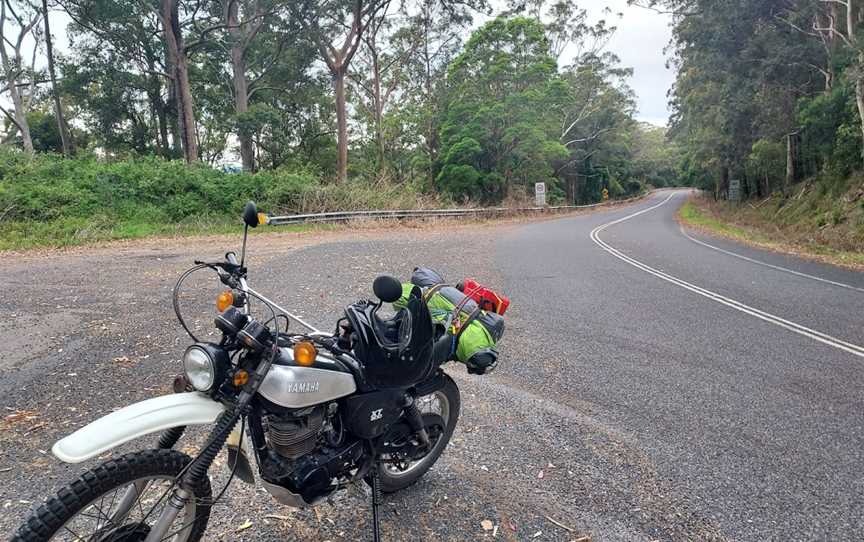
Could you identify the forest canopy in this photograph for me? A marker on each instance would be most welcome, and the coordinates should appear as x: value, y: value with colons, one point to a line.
x: 768, y: 92
x: 446, y: 99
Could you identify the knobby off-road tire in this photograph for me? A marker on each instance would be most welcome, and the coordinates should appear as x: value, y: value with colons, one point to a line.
x: 47, y: 522
x: 446, y: 399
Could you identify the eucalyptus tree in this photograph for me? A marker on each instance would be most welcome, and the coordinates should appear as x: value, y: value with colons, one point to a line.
x: 499, y: 122
x: 62, y: 127
x: 337, y: 28
x: 596, y: 119
x: 118, y: 73
x: 19, y: 21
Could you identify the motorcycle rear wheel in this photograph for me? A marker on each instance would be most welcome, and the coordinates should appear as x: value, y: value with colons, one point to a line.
x: 142, y: 476
x: 445, y: 403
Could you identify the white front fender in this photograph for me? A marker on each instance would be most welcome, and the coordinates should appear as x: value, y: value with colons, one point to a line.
x: 137, y: 420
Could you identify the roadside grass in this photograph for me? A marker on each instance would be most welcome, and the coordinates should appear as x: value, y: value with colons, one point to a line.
x: 746, y: 226
x: 97, y: 229
x: 694, y: 215
x: 16, y: 236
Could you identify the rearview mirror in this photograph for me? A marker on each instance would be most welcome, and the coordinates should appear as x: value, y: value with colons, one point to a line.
x: 387, y: 289
x: 250, y: 215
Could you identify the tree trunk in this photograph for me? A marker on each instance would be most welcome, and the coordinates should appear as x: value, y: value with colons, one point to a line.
x: 19, y: 111
x: 859, y: 96
x: 241, y: 85
x: 183, y: 92
x: 377, y: 99
x: 162, y: 120
x: 65, y: 139
x: 241, y: 105
x: 722, y: 182
x: 791, y: 160
x: 341, y: 126
x: 21, y: 116
x: 158, y: 117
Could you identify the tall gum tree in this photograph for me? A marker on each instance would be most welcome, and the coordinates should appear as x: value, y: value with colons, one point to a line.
x: 17, y: 22
x: 178, y: 62
x: 241, y: 32
x: 338, y: 27
x: 62, y: 127
x: 112, y: 40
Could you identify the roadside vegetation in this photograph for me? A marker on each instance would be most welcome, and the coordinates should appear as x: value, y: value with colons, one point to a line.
x: 770, y: 95
x: 799, y: 227
x: 306, y: 107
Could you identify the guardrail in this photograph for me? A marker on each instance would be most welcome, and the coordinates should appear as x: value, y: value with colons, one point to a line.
x: 402, y: 214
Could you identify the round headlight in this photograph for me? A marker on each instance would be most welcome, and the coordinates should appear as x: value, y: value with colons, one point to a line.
x: 199, y: 367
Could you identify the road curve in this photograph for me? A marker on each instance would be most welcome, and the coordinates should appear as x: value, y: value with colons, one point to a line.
x: 754, y: 423
x: 651, y: 387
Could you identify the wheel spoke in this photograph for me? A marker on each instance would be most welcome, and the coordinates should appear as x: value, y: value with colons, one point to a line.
x: 76, y: 535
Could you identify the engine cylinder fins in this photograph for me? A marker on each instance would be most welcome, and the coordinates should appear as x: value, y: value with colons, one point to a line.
x: 295, y: 436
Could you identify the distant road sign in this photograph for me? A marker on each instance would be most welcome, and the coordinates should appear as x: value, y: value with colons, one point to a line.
x: 540, y: 194
x: 734, y: 190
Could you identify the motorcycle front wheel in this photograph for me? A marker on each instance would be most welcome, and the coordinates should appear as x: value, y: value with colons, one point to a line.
x: 119, y: 501
x: 444, y: 403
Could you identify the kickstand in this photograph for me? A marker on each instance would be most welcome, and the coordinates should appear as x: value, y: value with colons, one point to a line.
x: 376, y: 502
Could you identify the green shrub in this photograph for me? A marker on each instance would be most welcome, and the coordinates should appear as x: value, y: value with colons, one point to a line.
x: 47, y: 199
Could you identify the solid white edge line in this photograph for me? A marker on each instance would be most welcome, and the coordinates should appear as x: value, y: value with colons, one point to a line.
x: 772, y: 266
x: 824, y: 338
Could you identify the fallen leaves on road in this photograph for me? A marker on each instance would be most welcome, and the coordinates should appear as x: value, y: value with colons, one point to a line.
x: 123, y: 361
x: 243, y: 526
x: 487, y: 525
x: 19, y: 416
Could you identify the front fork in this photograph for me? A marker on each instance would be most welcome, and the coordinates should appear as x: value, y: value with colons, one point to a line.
x: 195, y: 472
x: 167, y: 440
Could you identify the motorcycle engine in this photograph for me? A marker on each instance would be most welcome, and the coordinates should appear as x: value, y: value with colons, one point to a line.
x: 309, y: 451
x: 295, y: 434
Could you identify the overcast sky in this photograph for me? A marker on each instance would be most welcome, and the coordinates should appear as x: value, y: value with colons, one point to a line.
x: 641, y: 37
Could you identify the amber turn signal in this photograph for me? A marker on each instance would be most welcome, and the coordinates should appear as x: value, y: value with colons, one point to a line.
x: 263, y: 219
x: 241, y: 377
x: 305, y: 353
x: 225, y: 300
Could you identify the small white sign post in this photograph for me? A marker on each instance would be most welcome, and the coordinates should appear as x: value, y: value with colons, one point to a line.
x: 734, y: 193
x: 540, y: 194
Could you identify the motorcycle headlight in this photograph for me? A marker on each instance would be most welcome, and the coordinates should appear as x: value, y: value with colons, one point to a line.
x: 203, y: 364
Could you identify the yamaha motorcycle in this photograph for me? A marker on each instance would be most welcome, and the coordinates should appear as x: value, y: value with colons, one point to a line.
x: 317, y: 411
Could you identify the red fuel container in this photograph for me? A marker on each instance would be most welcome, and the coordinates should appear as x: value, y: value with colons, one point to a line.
x: 487, y: 299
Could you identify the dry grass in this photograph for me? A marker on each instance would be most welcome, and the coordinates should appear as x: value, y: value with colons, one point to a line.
x: 806, y: 224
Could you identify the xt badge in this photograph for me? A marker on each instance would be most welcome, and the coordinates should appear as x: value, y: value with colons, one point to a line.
x: 376, y: 415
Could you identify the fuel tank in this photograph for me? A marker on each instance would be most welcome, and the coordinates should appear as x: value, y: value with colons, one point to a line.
x: 292, y: 386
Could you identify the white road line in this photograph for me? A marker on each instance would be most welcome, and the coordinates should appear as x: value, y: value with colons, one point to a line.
x: 772, y: 266
x: 823, y: 338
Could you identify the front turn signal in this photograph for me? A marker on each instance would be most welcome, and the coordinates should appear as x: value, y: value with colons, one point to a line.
x: 225, y: 300
x: 305, y: 353
x: 241, y: 377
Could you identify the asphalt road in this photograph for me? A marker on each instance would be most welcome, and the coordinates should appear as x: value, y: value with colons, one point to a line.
x: 652, y: 387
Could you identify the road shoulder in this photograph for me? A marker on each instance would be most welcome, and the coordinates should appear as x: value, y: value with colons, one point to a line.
x: 697, y: 214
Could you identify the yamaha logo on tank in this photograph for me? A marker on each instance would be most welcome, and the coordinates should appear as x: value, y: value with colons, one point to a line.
x: 303, y: 387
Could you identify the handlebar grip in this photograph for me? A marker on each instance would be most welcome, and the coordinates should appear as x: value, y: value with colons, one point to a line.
x: 232, y: 258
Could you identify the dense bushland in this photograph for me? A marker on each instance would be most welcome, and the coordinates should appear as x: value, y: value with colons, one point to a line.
x: 48, y: 199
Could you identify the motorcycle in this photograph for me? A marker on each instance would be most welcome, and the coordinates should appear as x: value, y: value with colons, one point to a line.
x: 318, y: 411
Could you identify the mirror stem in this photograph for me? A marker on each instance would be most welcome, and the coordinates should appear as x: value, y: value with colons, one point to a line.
x: 243, y: 250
